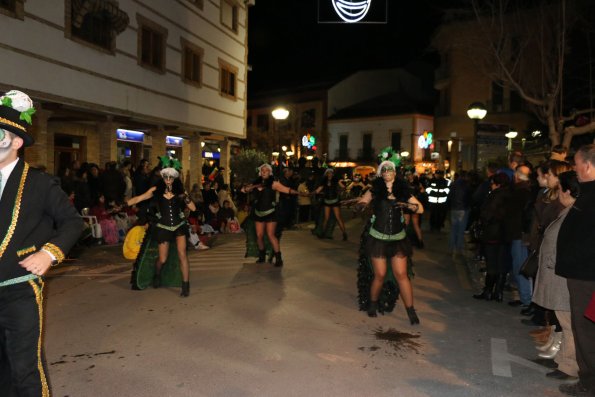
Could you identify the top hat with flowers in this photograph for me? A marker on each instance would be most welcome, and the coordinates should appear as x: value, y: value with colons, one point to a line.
x: 16, y: 110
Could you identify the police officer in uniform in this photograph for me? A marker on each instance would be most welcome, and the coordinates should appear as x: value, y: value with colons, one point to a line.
x: 437, y: 195
x: 38, y: 226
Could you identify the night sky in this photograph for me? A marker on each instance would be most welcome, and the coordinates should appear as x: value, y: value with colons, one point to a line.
x: 289, y: 48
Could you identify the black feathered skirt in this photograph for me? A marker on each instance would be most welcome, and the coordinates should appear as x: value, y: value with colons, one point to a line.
x: 365, y: 272
x: 376, y: 248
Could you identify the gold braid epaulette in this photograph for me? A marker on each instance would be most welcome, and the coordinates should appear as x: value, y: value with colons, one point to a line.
x: 54, y: 250
x: 12, y: 123
x: 15, y: 212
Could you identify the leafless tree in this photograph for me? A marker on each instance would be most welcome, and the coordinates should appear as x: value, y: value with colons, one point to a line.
x: 525, y: 46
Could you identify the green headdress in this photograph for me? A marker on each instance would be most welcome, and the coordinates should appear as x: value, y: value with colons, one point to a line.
x: 168, y: 162
x: 388, y: 154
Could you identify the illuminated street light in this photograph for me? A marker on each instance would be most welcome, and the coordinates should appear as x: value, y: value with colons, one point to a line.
x: 511, y: 135
x: 279, y: 113
x: 404, y: 153
x: 476, y: 111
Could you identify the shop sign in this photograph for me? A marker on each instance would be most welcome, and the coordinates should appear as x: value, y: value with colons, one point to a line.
x: 129, y: 135
x: 210, y: 155
x: 425, y: 140
x: 173, y: 141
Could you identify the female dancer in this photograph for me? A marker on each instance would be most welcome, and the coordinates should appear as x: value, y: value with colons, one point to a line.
x: 387, y: 240
x: 330, y: 189
x: 264, y: 214
x: 170, y: 199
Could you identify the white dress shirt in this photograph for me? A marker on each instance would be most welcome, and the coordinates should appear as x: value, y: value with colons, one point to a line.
x: 6, y: 171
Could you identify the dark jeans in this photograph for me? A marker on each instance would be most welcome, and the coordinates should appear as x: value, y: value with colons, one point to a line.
x: 584, y: 330
x: 437, y: 216
x: 22, y: 367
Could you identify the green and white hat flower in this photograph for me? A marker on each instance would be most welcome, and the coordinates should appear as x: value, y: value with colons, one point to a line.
x: 16, y: 111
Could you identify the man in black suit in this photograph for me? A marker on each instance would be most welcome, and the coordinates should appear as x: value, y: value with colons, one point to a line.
x: 38, y: 226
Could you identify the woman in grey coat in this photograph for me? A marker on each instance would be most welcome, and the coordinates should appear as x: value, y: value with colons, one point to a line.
x: 551, y: 290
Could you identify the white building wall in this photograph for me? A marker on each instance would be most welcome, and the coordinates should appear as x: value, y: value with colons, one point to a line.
x: 381, y: 129
x: 39, y: 59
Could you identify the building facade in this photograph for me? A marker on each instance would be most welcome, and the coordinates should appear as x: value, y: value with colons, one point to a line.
x: 374, y: 109
x: 112, y: 80
x: 462, y: 79
x: 303, y: 133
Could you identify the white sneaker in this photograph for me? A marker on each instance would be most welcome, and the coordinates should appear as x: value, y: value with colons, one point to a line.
x: 202, y: 246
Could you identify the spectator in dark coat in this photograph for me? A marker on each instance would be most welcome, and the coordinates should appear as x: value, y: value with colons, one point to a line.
x: 575, y: 260
x: 113, y: 183
x: 492, y: 215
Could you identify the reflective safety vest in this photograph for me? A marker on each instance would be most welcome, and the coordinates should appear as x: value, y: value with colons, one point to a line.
x: 438, y: 191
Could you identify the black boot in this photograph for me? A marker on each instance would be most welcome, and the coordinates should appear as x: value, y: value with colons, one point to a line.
x: 261, y: 256
x: 344, y: 236
x: 157, y: 278
x: 185, y: 289
x: 499, y: 288
x: 413, y: 319
x: 278, y: 259
x: 487, y: 292
x: 372, y: 309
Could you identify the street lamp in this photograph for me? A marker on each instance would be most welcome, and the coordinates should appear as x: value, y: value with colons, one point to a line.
x: 279, y: 113
x: 510, y: 135
x: 476, y: 112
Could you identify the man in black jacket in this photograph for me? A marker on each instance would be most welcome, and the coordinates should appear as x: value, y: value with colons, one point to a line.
x: 575, y: 260
x: 39, y: 226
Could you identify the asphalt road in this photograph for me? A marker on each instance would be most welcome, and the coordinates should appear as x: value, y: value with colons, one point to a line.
x: 256, y: 330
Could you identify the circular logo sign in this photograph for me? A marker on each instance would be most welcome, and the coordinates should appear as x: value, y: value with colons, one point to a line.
x: 351, y: 10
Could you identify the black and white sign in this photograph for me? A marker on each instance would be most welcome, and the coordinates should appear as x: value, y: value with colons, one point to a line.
x: 352, y: 11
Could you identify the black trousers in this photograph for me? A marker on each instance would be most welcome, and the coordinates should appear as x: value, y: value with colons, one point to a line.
x: 583, y: 329
x: 22, y: 368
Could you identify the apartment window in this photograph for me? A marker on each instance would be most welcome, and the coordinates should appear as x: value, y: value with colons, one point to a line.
x: 197, y: 3
x: 229, y: 14
x: 228, y: 77
x: 395, y: 141
x: 96, y: 24
x: 308, y: 119
x: 497, y: 96
x: 343, y: 147
x: 8, y: 5
x: 151, y: 45
x: 367, y: 146
x: 516, y: 102
x: 192, y: 63
x: 262, y: 122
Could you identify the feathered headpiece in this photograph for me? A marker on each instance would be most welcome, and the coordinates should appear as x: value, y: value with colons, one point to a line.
x: 168, y: 162
x: 388, y: 154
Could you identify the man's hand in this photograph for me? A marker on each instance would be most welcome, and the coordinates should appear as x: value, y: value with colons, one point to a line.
x: 37, y: 263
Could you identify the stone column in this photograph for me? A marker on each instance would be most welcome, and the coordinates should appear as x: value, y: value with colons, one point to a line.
x: 454, y: 155
x: 41, y: 153
x: 108, y: 142
x: 195, y: 160
x: 158, y: 144
x: 224, y: 159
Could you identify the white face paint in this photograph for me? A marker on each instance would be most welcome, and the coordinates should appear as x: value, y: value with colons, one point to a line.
x: 5, y: 144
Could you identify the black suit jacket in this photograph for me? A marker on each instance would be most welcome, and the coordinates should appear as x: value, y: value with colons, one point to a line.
x: 34, y: 213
